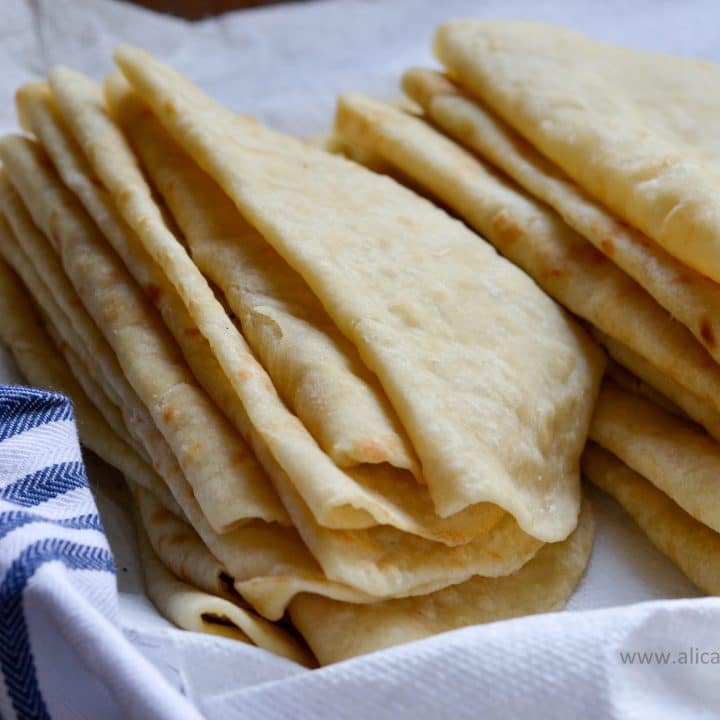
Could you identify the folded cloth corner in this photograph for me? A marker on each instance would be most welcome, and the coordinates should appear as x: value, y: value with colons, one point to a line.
x: 62, y: 653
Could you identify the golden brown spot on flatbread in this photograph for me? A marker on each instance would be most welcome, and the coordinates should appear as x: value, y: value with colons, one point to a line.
x: 440, y: 295
x: 607, y: 246
x: 169, y: 414
x: 192, y: 332
x: 706, y: 333
x: 194, y: 449
x: 507, y: 226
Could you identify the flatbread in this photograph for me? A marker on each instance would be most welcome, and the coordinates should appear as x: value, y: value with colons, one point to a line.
x: 226, y: 480
x: 262, y: 557
x: 625, y: 380
x: 209, y: 221
x: 337, y: 631
x: 95, y: 393
x: 315, y: 369
x: 384, y: 562
x: 677, y: 456
x: 36, y: 107
x: 692, y: 546
x: 530, y: 234
x: 635, y: 129
x: 200, y: 611
x: 62, y: 306
x: 335, y: 499
x: 679, y: 398
x: 180, y: 548
x: 689, y: 296
x: 459, y: 380
x: 271, y: 562
x: 38, y: 359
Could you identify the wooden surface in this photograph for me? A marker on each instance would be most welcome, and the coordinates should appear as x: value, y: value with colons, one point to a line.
x: 196, y: 9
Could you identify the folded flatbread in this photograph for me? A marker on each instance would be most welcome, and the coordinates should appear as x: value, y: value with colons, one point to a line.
x: 226, y: 480
x: 532, y: 235
x: 37, y: 110
x: 198, y: 610
x: 316, y: 370
x: 336, y: 498
x: 677, y: 456
x: 235, y: 256
x: 678, y: 397
x: 635, y: 129
x: 459, y: 339
x: 38, y: 359
x: 692, y: 546
x: 337, y: 631
x: 689, y: 296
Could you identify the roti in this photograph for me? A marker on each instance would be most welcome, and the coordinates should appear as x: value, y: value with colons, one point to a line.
x: 419, y: 295
x: 687, y: 294
x: 635, y: 129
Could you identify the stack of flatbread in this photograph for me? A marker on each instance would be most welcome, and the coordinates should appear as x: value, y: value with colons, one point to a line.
x: 596, y: 169
x: 342, y: 415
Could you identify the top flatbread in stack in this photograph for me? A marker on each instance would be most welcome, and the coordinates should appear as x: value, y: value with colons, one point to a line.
x: 458, y: 338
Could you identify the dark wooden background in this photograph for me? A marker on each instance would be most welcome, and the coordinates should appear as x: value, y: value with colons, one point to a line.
x: 196, y: 9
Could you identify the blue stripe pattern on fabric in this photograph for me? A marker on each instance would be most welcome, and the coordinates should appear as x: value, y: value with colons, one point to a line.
x: 45, y: 484
x: 26, y: 408
x: 42, y: 512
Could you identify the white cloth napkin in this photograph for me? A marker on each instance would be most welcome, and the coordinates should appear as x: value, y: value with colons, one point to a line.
x: 286, y: 64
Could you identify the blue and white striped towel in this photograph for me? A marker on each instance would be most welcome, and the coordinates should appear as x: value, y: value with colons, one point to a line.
x: 62, y: 654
